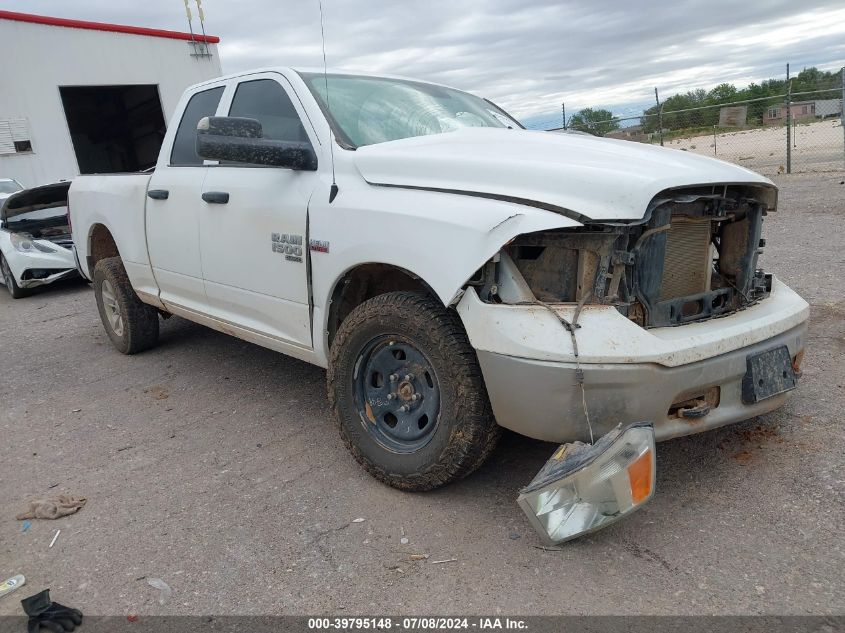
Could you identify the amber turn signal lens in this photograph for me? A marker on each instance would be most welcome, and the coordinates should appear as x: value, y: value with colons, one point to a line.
x: 640, y: 475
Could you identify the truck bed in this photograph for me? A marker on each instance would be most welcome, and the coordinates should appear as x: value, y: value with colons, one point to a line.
x: 117, y: 201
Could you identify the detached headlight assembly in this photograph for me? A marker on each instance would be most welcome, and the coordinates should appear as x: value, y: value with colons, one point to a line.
x: 24, y: 243
x: 584, y: 487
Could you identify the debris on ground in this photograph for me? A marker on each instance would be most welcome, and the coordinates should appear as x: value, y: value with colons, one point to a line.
x: 52, y: 615
x: 418, y: 557
x: 55, y: 536
x: 10, y: 584
x: 26, y: 525
x: 743, y: 456
x: 358, y: 520
x: 445, y: 560
x: 52, y: 507
x: 163, y: 587
x: 158, y: 392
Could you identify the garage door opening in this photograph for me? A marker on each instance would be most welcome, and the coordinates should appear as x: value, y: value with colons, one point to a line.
x: 114, y: 128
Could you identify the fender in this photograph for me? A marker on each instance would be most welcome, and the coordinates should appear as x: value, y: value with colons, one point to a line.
x: 442, y: 239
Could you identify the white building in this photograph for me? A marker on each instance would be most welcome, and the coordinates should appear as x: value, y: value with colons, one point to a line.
x: 828, y: 107
x: 84, y: 97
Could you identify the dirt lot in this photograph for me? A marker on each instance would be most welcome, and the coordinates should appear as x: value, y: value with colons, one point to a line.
x: 213, y: 464
x: 816, y: 147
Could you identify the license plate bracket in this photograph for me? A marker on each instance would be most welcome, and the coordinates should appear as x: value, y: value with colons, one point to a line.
x: 768, y: 374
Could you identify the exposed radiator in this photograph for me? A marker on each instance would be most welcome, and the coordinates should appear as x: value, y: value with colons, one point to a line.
x: 687, y: 266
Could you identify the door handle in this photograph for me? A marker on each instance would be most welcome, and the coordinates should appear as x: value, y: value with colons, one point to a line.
x: 216, y: 197
x: 158, y: 194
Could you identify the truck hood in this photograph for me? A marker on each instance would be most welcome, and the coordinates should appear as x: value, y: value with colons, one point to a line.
x: 584, y: 177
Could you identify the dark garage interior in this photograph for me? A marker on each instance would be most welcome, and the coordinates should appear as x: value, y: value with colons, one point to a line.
x: 114, y: 128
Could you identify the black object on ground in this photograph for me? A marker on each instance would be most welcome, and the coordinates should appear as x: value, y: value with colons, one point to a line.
x: 44, y: 613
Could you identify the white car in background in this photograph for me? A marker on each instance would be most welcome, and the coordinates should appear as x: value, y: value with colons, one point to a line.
x: 8, y: 186
x: 35, y: 241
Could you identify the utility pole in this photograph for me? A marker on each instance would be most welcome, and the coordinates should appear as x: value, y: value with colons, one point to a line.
x: 842, y: 115
x: 659, y: 115
x: 563, y: 114
x: 788, y: 122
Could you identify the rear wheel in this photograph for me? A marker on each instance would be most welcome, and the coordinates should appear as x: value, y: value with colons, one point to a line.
x: 131, y: 324
x: 407, y: 392
x: 9, y: 279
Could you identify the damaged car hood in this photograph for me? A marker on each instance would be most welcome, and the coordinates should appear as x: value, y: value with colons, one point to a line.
x: 52, y: 196
x: 581, y: 176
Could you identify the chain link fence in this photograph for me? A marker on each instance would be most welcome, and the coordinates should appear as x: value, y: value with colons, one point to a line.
x: 785, y: 133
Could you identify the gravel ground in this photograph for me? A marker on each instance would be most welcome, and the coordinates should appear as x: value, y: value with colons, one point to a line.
x: 213, y: 464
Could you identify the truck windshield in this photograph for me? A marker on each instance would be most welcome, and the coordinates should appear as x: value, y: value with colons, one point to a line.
x: 367, y: 110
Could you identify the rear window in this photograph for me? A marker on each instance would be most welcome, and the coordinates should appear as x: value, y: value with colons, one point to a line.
x: 202, y: 104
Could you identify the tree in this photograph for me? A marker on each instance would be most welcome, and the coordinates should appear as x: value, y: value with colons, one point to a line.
x: 597, y: 122
x: 723, y: 93
x: 698, y: 108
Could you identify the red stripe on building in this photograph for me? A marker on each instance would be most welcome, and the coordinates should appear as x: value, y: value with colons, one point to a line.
x: 101, y: 26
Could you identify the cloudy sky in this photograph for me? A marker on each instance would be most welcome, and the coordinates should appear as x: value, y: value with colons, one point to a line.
x: 527, y: 55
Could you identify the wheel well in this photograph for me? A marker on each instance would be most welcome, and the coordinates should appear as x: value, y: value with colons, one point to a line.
x: 365, y: 282
x: 101, y: 245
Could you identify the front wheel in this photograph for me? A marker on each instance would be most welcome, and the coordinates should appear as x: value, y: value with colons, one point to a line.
x: 9, y: 279
x: 407, y: 392
x: 131, y: 324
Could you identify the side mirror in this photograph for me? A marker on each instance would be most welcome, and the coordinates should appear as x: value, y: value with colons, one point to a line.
x: 240, y: 140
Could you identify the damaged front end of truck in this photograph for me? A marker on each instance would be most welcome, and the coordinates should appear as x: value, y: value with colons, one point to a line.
x: 692, y: 258
x: 616, y: 286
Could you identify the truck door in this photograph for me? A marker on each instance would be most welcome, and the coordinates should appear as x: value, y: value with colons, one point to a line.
x: 174, y: 204
x: 253, y: 223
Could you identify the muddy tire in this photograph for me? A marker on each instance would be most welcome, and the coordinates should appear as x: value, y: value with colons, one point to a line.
x: 407, y: 392
x: 131, y: 324
x: 9, y: 280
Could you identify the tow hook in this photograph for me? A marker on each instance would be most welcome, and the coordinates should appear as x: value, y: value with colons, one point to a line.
x: 701, y: 409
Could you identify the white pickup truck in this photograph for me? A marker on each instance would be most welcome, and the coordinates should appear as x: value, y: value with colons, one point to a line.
x: 455, y: 274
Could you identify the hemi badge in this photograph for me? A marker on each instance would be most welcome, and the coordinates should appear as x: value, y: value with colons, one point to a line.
x: 319, y: 246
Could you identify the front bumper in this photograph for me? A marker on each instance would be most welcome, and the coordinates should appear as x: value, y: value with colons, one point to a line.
x: 50, y: 278
x: 50, y: 267
x: 541, y: 397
